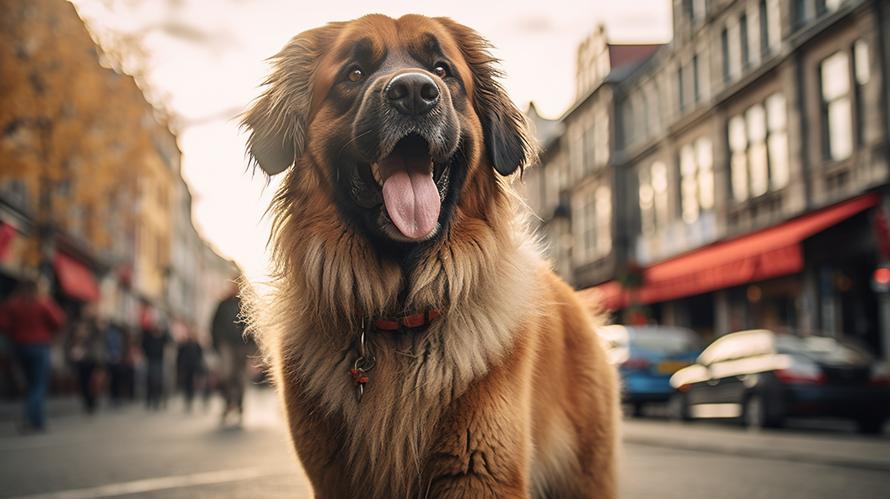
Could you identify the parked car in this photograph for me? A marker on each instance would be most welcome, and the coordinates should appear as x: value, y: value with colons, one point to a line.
x: 646, y: 357
x: 762, y: 377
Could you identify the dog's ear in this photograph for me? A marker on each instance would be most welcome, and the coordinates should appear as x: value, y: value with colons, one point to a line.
x: 507, y: 141
x: 277, y: 120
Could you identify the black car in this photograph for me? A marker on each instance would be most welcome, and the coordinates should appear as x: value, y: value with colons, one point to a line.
x: 762, y: 377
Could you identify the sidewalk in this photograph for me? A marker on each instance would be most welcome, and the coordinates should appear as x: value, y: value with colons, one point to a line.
x: 11, y: 410
x: 846, y: 450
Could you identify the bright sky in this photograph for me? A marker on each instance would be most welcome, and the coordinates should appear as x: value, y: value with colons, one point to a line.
x: 207, y: 58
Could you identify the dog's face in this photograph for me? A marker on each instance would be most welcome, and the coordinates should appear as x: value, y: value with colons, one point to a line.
x: 394, y: 115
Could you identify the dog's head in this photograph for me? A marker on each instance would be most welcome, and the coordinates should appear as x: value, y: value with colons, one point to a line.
x: 395, y: 115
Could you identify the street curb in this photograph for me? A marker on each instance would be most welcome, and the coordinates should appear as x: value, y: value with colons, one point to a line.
x: 759, y: 453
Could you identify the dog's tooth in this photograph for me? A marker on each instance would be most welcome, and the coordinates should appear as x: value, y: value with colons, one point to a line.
x: 375, y: 172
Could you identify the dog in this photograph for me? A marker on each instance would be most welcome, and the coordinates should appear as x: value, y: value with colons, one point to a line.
x: 421, y: 345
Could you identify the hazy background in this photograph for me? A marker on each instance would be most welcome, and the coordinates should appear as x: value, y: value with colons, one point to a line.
x: 204, y: 61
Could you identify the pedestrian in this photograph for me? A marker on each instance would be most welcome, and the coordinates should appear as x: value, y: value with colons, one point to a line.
x: 227, y: 332
x: 116, y: 345
x: 189, y: 366
x: 31, y: 318
x: 132, y: 351
x: 155, y: 338
x: 86, y: 349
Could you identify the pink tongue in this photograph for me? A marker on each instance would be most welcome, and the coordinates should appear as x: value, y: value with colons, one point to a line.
x: 412, y: 202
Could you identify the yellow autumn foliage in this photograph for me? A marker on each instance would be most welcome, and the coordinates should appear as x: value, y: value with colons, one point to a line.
x: 75, y: 136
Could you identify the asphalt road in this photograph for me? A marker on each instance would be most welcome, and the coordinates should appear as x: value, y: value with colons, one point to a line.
x: 131, y: 453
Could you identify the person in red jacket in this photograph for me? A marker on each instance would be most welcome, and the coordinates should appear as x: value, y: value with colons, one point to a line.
x: 31, y: 318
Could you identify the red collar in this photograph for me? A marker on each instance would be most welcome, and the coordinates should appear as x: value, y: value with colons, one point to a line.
x: 409, y: 323
x: 417, y: 321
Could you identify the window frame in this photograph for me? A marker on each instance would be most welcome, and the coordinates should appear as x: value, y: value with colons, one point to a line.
x: 745, y: 192
x: 843, y: 99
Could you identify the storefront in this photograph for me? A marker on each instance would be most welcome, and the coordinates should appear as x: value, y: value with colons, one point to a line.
x: 811, y: 274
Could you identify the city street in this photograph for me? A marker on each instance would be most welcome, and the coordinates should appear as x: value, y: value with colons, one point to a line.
x: 171, y: 454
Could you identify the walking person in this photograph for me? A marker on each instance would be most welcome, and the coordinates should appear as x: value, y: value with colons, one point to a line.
x: 85, y: 352
x: 116, y: 345
x: 31, y: 318
x: 227, y: 332
x: 189, y: 366
x: 155, y: 338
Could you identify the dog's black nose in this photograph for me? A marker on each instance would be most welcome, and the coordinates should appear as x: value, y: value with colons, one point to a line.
x: 412, y: 93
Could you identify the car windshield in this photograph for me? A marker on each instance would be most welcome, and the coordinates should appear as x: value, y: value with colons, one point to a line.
x: 664, y: 341
x: 822, y: 349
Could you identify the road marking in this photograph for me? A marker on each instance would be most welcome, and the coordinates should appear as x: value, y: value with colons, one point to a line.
x: 159, y: 483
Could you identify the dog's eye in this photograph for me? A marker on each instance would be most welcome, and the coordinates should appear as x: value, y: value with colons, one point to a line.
x: 356, y: 74
x: 441, y: 70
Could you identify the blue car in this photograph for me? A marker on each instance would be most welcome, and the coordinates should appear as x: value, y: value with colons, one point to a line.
x: 647, y: 357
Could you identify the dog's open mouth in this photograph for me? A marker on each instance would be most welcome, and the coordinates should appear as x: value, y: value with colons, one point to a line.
x: 412, y: 186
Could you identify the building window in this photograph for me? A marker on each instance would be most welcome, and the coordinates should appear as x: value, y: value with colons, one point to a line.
x: 601, y: 138
x: 758, y: 164
x: 592, y: 224
x: 653, y: 110
x: 836, y: 110
x: 806, y: 10
x: 735, y: 51
x: 681, y: 94
x: 695, y: 10
x: 799, y: 14
x: 654, y: 212
x: 758, y: 144
x: 743, y: 41
x: 862, y: 73
x: 738, y: 162
x: 603, y: 220
x: 704, y: 158
x: 696, y: 87
x: 724, y: 43
x: 777, y: 140
x: 644, y: 120
x: 774, y: 25
x: 764, y: 28
x: 696, y: 179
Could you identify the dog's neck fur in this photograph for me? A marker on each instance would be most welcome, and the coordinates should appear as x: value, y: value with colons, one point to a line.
x: 328, y: 277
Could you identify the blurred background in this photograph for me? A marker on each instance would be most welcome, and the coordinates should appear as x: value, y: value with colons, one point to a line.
x: 714, y: 175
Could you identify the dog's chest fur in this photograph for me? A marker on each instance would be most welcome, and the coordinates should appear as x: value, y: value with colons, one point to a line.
x: 416, y: 378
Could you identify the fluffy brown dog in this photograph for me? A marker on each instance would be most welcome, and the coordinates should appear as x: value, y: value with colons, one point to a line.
x: 421, y: 345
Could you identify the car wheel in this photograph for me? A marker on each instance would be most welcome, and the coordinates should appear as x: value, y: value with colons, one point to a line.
x: 870, y: 425
x: 754, y: 415
x: 758, y: 414
x: 678, y: 407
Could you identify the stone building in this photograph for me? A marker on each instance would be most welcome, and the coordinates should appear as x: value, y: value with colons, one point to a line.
x: 750, y: 155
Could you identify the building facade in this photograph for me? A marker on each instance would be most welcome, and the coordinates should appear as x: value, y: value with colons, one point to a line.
x: 750, y: 155
x: 91, y: 192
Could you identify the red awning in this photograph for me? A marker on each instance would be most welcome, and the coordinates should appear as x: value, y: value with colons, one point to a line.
x: 771, y: 252
x: 76, y: 279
